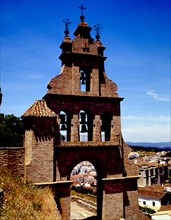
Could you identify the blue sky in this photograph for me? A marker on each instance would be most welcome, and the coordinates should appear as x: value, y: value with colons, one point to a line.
x: 136, y: 34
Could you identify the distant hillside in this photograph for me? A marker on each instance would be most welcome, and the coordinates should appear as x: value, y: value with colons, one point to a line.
x: 158, y: 146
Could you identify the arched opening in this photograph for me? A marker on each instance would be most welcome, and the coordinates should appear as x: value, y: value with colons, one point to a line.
x: 106, y: 126
x: 84, y: 191
x: 86, y: 126
x: 84, y: 80
x: 64, y: 126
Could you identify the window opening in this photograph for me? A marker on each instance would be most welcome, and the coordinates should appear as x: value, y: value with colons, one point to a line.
x: 86, y: 126
x: 63, y: 126
x: 153, y: 203
x: 83, y: 126
x: 105, y: 127
x: 84, y: 81
x: 144, y: 202
x: 85, y: 49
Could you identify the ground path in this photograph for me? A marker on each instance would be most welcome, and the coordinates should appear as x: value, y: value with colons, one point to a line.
x: 80, y: 213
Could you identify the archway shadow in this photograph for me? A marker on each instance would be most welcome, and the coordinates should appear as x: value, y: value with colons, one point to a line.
x: 91, y: 218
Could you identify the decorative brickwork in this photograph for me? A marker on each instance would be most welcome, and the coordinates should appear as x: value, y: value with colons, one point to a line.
x: 77, y: 120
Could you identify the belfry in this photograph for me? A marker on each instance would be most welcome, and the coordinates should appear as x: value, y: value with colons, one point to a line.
x: 78, y: 119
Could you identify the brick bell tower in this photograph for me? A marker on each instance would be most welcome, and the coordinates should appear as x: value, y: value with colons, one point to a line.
x: 79, y: 119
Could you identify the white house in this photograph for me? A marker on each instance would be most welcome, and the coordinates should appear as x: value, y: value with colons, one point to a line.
x: 154, y: 196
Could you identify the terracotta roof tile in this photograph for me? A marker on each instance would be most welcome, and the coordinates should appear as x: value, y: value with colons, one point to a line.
x: 151, y: 194
x: 39, y: 109
x: 155, y: 191
x: 150, y: 164
x: 166, y: 208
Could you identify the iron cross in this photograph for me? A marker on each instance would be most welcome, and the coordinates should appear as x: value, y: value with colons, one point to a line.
x: 82, y: 8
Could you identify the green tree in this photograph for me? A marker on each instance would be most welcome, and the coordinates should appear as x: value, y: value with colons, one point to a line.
x: 11, y: 131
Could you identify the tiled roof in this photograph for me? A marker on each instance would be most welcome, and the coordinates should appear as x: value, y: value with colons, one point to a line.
x: 166, y: 208
x: 39, y: 109
x: 150, y: 164
x: 154, y: 191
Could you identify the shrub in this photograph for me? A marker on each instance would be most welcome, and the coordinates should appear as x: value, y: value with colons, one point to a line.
x: 25, y: 201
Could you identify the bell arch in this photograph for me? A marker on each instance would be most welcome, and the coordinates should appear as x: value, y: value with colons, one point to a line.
x: 105, y: 126
x: 86, y: 125
x: 65, y: 126
x: 84, y: 79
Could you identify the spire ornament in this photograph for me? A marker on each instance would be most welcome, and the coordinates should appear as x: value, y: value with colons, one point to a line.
x: 97, y: 28
x: 82, y: 16
x: 67, y: 23
x: 0, y: 96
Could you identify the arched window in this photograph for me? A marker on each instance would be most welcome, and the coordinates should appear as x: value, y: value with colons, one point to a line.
x: 86, y: 126
x: 84, y: 80
x: 106, y: 126
x: 64, y: 126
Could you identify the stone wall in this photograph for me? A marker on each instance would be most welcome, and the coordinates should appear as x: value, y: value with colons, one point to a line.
x: 12, y: 159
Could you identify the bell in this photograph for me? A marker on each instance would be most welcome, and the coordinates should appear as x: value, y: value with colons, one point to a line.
x: 102, y: 128
x: 83, y: 78
x: 83, y: 128
x: 83, y: 82
x: 83, y: 117
x: 83, y: 75
x: 63, y: 127
x: 62, y: 117
x: 62, y: 137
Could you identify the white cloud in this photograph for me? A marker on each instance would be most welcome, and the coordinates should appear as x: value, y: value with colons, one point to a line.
x: 158, y: 118
x: 146, y: 128
x: 158, y: 97
x: 147, y: 133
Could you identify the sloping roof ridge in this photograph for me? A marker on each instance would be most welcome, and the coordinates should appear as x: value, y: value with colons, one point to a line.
x: 155, y: 187
x: 39, y: 109
x: 155, y: 191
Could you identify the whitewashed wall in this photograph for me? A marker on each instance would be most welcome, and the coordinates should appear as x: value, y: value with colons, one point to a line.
x: 149, y: 202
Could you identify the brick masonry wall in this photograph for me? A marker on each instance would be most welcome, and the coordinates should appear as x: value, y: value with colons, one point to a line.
x: 40, y: 168
x: 12, y: 159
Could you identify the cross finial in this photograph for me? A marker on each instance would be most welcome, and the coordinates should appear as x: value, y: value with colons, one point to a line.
x: 82, y: 8
x: 82, y: 16
x: 0, y: 96
x: 67, y: 23
x: 97, y: 28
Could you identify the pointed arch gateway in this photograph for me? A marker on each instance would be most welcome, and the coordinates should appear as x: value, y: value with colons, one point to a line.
x: 54, y: 125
